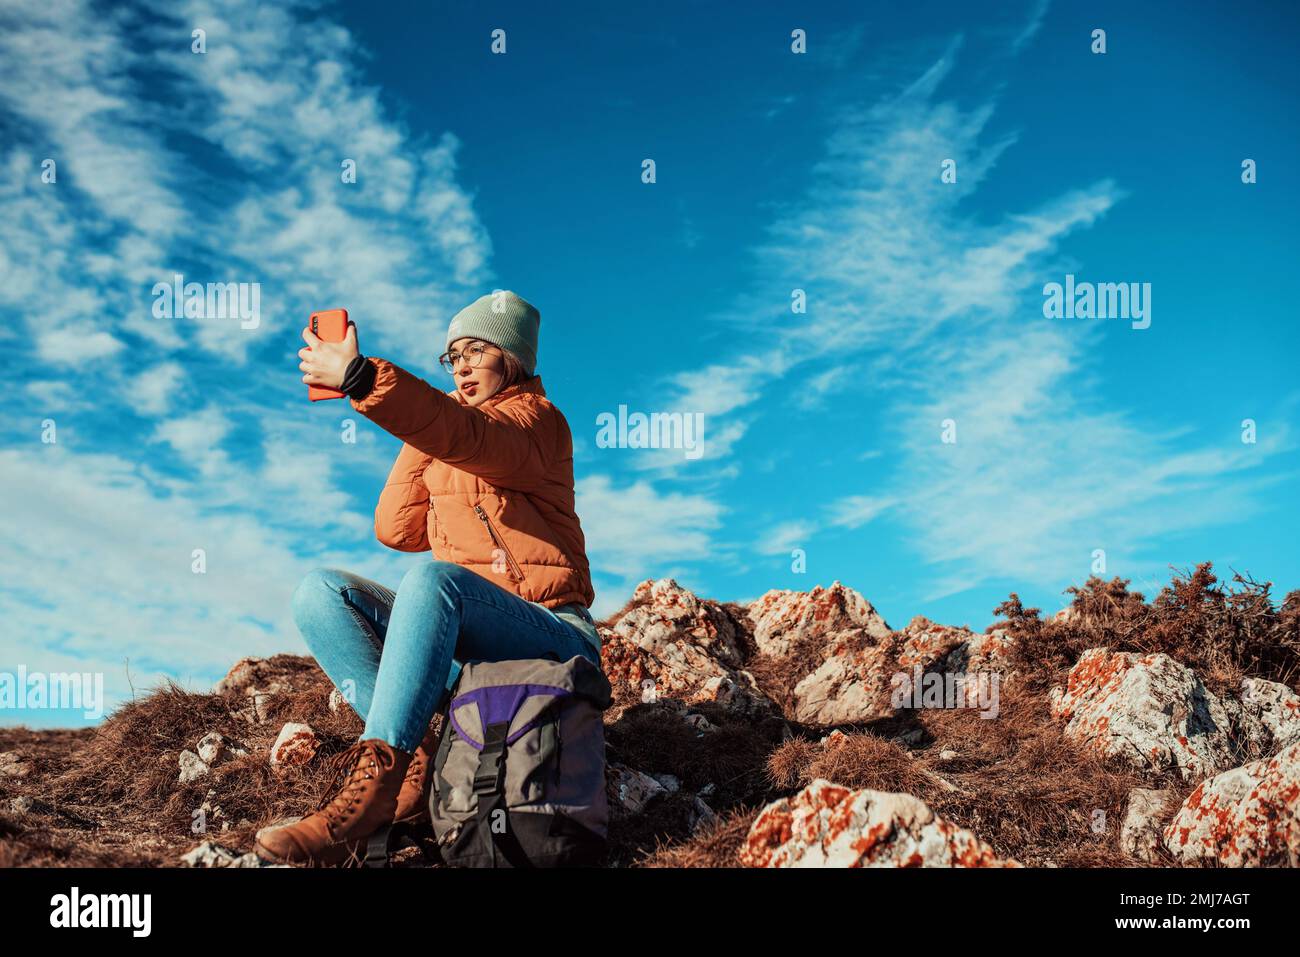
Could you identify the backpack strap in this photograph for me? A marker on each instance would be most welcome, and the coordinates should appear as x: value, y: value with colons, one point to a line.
x: 489, y: 792
x: 439, y: 790
x: 378, y: 848
x: 382, y: 843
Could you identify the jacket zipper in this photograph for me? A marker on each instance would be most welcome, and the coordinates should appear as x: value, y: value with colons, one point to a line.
x: 496, y: 539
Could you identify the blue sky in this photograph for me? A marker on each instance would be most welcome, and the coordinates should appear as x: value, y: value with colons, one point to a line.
x: 775, y: 171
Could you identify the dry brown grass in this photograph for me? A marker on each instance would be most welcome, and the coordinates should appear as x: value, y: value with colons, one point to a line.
x: 114, y: 789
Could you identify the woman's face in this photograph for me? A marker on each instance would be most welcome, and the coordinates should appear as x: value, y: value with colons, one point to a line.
x: 477, y: 384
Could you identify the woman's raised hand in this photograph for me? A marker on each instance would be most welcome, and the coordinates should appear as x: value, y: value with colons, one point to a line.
x: 326, y: 363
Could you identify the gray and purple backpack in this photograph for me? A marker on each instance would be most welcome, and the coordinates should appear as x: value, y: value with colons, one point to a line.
x: 519, y: 777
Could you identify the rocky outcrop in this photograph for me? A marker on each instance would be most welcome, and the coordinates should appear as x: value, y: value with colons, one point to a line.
x: 728, y: 683
x: 671, y: 643
x: 1246, y: 817
x: 864, y: 666
x: 857, y: 676
x: 926, y: 644
x: 840, y: 646
x: 826, y: 825
x: 783, y: 619
x: 989, y: 652
x: 851, y: 684
x: 838, y: 656
x: 1149, y: 710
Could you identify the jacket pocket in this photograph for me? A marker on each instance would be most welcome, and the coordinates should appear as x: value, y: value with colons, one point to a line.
x: 497, y: 540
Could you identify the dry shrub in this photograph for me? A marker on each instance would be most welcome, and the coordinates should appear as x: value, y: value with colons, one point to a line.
x: 1224, y: 633
x: 858, y: 761
x: 714, y: 844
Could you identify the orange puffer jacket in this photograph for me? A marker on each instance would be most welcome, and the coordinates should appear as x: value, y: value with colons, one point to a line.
x: 488, y: 487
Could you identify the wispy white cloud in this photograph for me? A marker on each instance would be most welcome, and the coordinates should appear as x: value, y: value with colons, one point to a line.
x: 786, y: 536
x: 280, y: 94
x: 1032, y: 25
x: 1039, y: 476
x: 855, y: 510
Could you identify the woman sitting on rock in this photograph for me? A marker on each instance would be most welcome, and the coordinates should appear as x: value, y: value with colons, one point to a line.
x: 484, y: 479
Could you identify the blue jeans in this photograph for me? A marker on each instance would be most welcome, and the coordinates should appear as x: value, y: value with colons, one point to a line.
x: 396, y: 657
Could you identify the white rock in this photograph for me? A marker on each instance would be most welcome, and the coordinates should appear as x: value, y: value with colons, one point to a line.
x: 827, y: 825
x: 214, y: 746
x: 672, y: 645
x: 1246, y: 817
x: 296, y: 744
x: 23, y: 804
x: 670, y: 782
x: 212, y: 854
x: 13, y: 764
x: 1149, y: 710
x: 780, y: 617
x: 700, y: 723
x: 629, y: 790
x: 192, y: 766
x: 1276, y: 707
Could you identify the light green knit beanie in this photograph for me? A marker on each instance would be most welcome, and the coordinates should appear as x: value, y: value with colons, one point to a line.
x: 503, y: 319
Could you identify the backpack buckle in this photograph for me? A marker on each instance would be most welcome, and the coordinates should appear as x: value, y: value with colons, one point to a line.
x: 488, y: 776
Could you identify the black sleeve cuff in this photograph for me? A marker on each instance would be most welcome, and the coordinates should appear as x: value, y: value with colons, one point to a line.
x: 359, y: 379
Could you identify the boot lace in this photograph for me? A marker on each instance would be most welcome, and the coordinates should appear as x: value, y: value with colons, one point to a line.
x: 348, y: 770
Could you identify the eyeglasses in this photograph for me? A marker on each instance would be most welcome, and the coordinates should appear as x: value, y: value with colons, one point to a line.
x: 473, y: 354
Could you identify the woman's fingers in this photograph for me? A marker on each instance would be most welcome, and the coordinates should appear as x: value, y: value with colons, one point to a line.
x: 321, y: 361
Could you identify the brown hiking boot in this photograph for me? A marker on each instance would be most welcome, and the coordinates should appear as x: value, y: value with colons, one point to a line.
x: 361, y: 800
x: 413, y: 799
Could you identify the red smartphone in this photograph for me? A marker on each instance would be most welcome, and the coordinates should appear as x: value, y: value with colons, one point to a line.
x: 331, y: 325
